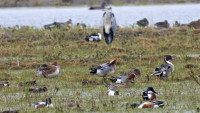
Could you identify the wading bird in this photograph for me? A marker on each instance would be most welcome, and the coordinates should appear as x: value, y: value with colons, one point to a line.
x: 109, y: 25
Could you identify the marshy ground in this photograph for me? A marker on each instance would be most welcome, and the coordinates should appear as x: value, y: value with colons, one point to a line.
x: 23, y: 49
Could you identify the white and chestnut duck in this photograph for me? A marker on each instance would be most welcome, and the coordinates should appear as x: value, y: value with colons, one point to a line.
x: 49, y: 71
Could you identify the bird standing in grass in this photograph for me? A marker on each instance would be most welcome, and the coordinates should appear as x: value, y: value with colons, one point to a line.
x: 104, y: 69
x: 109, y: 25
x: 164, y: 70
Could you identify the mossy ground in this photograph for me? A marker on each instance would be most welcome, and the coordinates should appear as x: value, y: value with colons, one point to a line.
x: 22, y: 50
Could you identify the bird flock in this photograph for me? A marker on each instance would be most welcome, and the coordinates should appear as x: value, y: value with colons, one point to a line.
x: 162, y: 71
x: 106, y: 69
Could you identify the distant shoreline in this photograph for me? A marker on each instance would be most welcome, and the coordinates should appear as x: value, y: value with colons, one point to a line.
x: 86, y: 6
x: 80, y: 3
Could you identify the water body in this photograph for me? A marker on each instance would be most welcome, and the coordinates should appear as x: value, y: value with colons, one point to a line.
x: 125, y: 15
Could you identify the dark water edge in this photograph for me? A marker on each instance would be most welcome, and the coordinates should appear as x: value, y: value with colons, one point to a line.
x: 33, y: 3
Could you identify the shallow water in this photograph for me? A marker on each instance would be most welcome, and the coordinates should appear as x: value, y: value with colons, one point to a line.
x: 125, y: 15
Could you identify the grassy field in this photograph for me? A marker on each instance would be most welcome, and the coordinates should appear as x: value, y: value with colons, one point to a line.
x: 22, y: 50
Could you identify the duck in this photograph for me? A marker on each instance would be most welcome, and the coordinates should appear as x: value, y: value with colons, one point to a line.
x: 90, y: 83
x: 143, y: 23
x: 120, y: 85
x: 162, y: 25
x: 38, y: 89
x: 94, y: 37
x: 49, y: 71
x: 112, y: 92
x: 28, y: 83
x: 150, y: 94
x: 104, y: 69
x: 150, y: 104
x: 4, y: 83
x: 195, y: 24
x: 176, y: 24
x: 69, y: 22
x: 72, y: 104
x: 136, y: 72
x: 164, y: 70
x: 81, y: 25
x: 122, y: 79
x: 42, y: 104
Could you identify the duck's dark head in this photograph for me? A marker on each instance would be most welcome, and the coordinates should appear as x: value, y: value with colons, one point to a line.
x: 45, y: 89
x: 48, y: 100
x: 168, y: 57
x: 137, y: 72
x: 166, y: 21
x: 134, y: 105
x: 43, y: 65
x: 151, y: 89
x: 116, y: 92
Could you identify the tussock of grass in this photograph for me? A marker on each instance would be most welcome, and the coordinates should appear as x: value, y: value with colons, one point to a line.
x: 115, y: 49
x: 189, y: 65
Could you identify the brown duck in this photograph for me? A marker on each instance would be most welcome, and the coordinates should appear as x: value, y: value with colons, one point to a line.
x: 30, y: 83
x: 195, y: 24
x: 136, y: 72
x: 162, y: 25
x: 38, y: 89
x: 143, y: 23
x: 72, y: 104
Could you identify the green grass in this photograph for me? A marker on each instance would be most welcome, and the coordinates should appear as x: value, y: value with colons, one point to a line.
x: 134, y: 48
